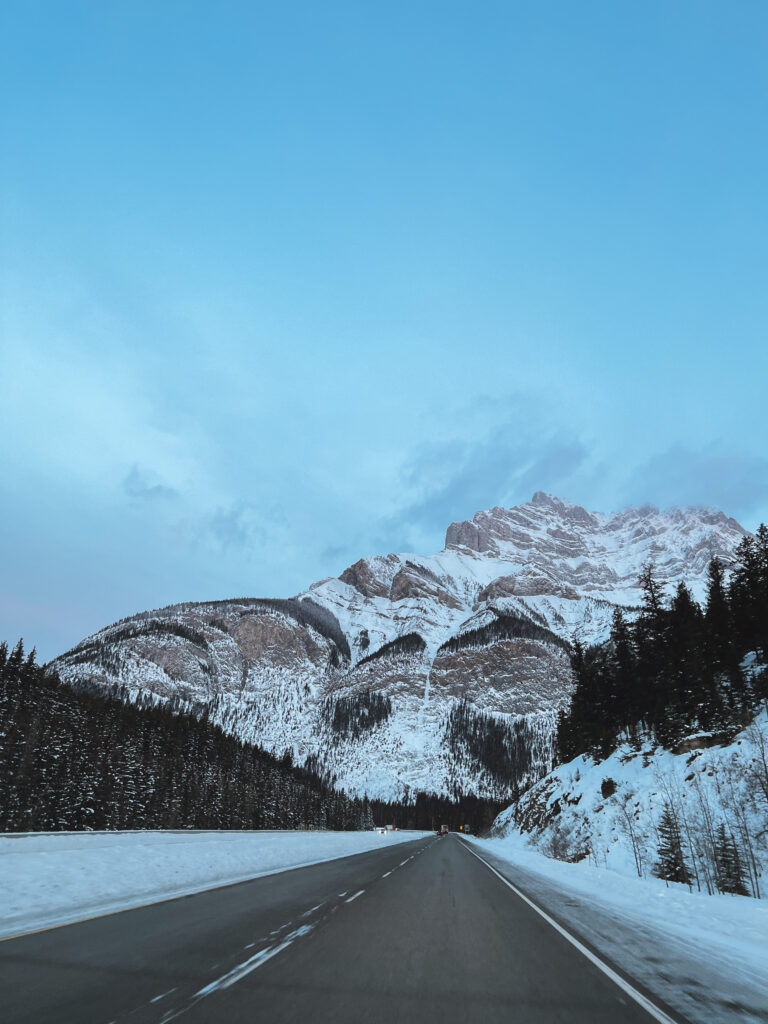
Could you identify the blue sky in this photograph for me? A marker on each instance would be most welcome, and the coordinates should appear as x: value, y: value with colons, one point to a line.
x: 284, y: 285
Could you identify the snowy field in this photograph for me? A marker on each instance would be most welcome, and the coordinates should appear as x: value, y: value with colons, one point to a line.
x: 48, y: 879
x: 706, y: 956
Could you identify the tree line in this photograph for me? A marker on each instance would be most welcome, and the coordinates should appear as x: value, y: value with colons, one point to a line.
x: 356, y: 715
x: 409, y: 643
x: 95, y: 759
x: 503, y: 627
x: 514, y: 754
x: 73, y: 760
x: 430, y: 811
x: 678, y: 668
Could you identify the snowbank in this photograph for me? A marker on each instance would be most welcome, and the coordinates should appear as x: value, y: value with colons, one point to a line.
x: 49, y: 879
x: 707, y: 956
x: 608, y: 811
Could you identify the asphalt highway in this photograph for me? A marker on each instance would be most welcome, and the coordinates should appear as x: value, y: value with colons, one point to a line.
x: 422, y: 931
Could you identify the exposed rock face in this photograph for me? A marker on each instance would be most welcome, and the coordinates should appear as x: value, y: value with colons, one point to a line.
x: 417, y: 581
x: 400, y: 675
x: 568, y: 546
x: 274, y: 669
x: 514, y: 677
x: 528, y: 583
x: 367, y: 577
x: 272, y: 641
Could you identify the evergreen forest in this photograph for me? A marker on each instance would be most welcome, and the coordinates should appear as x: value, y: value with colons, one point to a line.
x: 679, y: 668
x: 71, y: 760
x: 75, y: 760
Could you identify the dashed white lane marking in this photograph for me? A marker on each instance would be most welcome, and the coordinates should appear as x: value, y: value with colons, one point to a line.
x: 162, y: 996
x: 251, y: 963
x: 255, y: 961
x: 238, y: 972
x: 312, y: 909
x: 403, y: 862
x: 617, y: 979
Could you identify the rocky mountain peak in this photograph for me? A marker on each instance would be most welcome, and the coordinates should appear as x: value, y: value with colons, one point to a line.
x: 548, y: 528
x: 481, y: 628
x: 488, y: 531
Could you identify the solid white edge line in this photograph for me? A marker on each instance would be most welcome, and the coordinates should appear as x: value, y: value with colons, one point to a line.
x: 624, y: 985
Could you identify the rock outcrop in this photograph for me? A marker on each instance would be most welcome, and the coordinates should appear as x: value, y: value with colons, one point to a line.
x: 486, y: 623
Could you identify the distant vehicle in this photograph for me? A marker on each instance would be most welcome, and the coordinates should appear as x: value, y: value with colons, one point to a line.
x: 444, y: 830
x: 381, y: 830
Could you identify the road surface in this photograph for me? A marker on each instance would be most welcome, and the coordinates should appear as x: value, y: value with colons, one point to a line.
x: 424, y: 931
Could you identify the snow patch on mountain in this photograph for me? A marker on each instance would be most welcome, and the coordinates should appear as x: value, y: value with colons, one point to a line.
x: 267, y: 670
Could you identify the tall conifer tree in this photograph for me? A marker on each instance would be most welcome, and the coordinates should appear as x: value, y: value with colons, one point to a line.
x: 671, y: 864
x: 731, y: 876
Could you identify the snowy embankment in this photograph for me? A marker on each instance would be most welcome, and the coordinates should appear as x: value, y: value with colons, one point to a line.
x: 706, y: 956
x: 48, y: 879
x: 608, y: 812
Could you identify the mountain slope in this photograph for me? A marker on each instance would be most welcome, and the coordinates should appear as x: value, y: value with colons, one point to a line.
x: 608, y: 811
x: 484, y: 624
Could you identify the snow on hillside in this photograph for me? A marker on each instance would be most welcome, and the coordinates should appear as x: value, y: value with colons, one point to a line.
x: 549, y: 559
x: 268, y: 669
x: 607, y: 813
x: 48, y: 879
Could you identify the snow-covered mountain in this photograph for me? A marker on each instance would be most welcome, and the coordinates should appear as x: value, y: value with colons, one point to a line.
x: 409, y: 670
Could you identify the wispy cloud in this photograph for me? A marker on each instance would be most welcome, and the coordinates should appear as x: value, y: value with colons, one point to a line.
x: 334, y: 552
x: 734, y: 481
x: 235, y: 526
x: 144, y: 485
x: 454, y: 480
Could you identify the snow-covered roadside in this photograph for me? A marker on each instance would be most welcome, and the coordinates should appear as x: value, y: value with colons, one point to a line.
x: 48, y: 879
x: 609, y: 811
x: 706, y: 956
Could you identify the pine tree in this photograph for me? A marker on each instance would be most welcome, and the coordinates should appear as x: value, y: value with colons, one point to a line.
x: 624, y: 695
x: 567, y: 744
x: 717, y: 619
x: 15, y: 660
x: 745, y: 586
x: 724, y: 678
x: 730, y: 876
x: 671, y: 864
x: 761, y: 592
x: 650, y: 640
x: 577, y: 728
x: 684, y: 662
x: 653, y: 594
